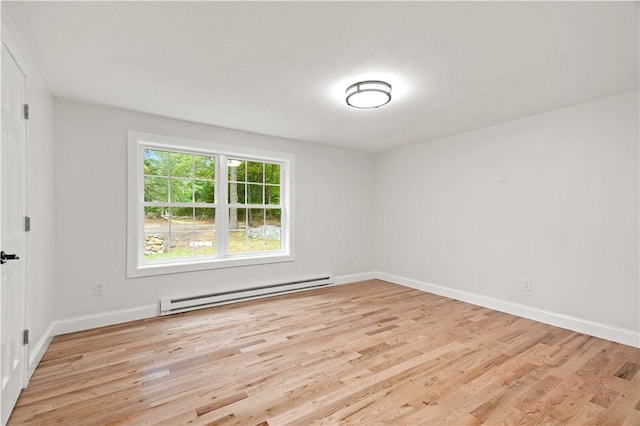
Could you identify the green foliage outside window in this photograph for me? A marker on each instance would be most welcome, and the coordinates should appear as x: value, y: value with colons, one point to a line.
x: 178, y: 177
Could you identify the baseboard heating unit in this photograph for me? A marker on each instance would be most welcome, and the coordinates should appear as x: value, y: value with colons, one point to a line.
x: 184, y: 304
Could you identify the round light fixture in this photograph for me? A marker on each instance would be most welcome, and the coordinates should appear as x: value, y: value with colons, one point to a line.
x: 368, y: 94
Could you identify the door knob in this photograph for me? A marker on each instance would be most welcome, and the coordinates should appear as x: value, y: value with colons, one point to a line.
x: 4, y: 257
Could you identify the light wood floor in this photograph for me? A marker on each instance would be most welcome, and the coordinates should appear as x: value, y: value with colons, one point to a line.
x: 363, y: 353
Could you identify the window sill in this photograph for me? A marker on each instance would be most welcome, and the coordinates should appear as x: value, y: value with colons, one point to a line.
x: 203, y: 265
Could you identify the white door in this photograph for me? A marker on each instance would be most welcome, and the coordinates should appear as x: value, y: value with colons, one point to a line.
x: 13, y: 241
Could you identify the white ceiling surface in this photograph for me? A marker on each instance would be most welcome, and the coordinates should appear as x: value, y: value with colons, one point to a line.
x: 281, y: 68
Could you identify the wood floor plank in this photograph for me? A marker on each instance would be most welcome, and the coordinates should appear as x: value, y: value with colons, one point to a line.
x: 364, y: 353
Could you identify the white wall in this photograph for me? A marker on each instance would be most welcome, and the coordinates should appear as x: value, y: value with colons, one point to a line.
x: 552, y: 198
x: 333, y: 208
x: 40, y: 199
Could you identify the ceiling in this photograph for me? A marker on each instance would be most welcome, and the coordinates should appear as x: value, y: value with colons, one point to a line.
x: 282, y: 68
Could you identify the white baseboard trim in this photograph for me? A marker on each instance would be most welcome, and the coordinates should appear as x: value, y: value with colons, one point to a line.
x: 37, y: 351
x: 353, y: 278
x: 580, y: 325
x: 86, y: 322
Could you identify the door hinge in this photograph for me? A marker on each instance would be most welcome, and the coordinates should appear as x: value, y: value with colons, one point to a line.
x: 27, y: 224
x: 26, y: 111
x: 25, y: 337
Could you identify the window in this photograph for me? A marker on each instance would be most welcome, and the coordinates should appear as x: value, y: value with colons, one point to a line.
x: 195, y: 205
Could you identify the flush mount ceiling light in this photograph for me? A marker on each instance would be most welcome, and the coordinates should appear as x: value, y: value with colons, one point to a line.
x: 368, y: 94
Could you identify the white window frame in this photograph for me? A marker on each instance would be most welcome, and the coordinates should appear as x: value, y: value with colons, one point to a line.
x: 137, y: 267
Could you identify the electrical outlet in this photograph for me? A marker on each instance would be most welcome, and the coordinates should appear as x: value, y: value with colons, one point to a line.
x: 98, y: 289
x: 349, y: 260
x: 527, y: 285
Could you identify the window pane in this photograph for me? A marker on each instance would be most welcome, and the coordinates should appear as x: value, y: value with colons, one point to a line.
x: 204, y: 244
x: 156, y: 189
x: 155, y: 246
x: 181, y: 224
x: 154, y: 216
x: 273, y: 231
x: 255, y: 193
x: 206, y: 215
x: 236, y: 170
x: 204, y: 235
x: 205, y: 167
x: 256, y: 218
x: 204, y: 191
x: 255, y: 231
x: 181, y: 219
x: 156, y: 163
x: 237, y: 241
x: 272, y: 173
x: 156, y: 233
x: 256, y: 244
x: 155, y: 219
x: 264, y: 233
x: 181, y: 190
x: 237, y: 230
x: 181, y: 165
x: 255, y: 172
x: 237, y: 193
x: 204, y: 223
x: 236, y: 217
x: 273, y: 216
x: 272, y: 194
x: 179, y: 245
